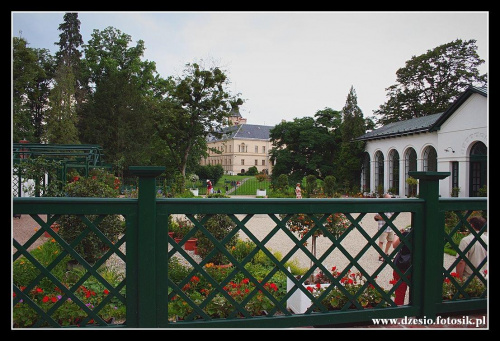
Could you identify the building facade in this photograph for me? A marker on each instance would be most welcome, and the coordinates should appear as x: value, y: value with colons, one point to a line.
x: 454, y: 141
x: 241, y: 146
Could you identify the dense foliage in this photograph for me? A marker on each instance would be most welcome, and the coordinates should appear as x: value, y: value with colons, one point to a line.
x: 99, y: 184
x: 104, y: 92
x: 429, y: 83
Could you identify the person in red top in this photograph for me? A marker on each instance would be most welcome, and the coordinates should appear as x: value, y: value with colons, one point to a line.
x: 209, y: 187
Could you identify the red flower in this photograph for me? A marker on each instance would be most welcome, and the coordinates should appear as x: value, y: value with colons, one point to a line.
x: 45, y: 299
x: 447, y: 280
x: 106, y: 291
x: 195, y: 279
x: 454, y: 274
x: 393, y: 281
x: 310, y: 289
x: 245, y: 281
x: 274, y: 287
x: 54, y: 299
x: 318, y: 285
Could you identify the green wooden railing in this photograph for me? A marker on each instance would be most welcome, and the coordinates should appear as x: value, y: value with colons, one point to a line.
x: 147, y: 288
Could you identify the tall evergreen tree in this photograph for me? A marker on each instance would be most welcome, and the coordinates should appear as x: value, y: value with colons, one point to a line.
x: 69, y: 54
x: 348, y: 162
x: 61, y: 119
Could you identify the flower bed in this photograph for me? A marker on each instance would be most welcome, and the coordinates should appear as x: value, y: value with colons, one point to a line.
x: 475, y: 287
x: 352, y: 282
x: 219, y: 306
x: 298, y: 302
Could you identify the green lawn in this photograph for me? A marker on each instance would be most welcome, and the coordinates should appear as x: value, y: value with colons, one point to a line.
x: 248, y: 187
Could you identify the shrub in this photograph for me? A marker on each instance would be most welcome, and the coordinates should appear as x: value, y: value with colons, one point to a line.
x: 311, y: 185
x: 45, y: 294
x: 242, y: 248
x: 330, y: 182
x: 281, y: 183
x: 252, y: 171
x: 219, y: 226
x: 180, y: 227
x: 24, y: 272
x: 99, y: 184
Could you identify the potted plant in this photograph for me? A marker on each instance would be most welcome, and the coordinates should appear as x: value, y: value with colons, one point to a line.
x: 298, y: 302
x: 55, y: 227
x: 194, y: 178
x: 261, y: 191
x: 180, y: 227
x: 412, y: 186
x: 336, y: 299
x: 455, y: 191
x: 335, y: 223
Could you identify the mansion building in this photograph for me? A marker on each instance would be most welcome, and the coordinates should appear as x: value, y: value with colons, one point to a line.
x: 454, y: 141
x: 241, y: 146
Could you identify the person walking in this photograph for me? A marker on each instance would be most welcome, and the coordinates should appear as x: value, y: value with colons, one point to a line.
x: 477, y: 253
x: 388, y: 234
x: 298, y: 191
x: 402, y: 261
x: 209, y: 187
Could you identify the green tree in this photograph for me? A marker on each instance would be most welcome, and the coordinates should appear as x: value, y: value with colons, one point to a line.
x: 429, y: 83
x: 69, y: 54
x: 117, y: 113
x: 24, y: 71
x: 332, y: 121
x: 349, y: 159
x: 198, y: 106
x: 32, y: 71
x: 61, y: 119
x: 212, y: 172
x: 306, y: 146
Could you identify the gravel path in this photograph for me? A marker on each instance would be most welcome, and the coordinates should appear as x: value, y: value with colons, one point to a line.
x: 260, y: 225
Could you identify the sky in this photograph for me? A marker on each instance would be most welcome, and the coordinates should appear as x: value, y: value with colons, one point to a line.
x: 284, y: 65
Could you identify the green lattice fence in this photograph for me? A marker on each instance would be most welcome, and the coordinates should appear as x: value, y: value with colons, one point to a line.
x: 160, y: 283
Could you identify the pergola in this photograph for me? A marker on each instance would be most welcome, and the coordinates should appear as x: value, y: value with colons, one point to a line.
x: 81, y: 157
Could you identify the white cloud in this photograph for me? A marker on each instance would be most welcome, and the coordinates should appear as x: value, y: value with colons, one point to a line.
x: 286, y: 64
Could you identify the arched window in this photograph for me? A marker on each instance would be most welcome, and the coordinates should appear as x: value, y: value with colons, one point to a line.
x: 410, y: 166
x: 394, y: 171
x: 365, y: 173
x: 430, y: 159
x: 478, y: 168
x: 379, y: 170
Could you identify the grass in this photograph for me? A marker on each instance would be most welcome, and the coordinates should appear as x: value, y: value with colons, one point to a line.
x: 249, y: 184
